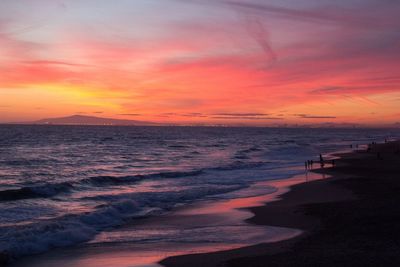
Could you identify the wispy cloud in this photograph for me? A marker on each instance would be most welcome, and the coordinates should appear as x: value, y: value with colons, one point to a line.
x: 129, y: 114
x: 245, y: 118
x: 194, y: 115
x: 241, y: 114
x: 328, y: 14
x: 260, y: 33
x: 53, y: 62
x: 308, y: 116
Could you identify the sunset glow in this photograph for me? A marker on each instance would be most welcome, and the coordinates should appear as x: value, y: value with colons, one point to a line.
x: 202, y: 62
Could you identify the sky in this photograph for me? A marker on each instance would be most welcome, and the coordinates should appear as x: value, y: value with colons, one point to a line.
x: 255, y: 62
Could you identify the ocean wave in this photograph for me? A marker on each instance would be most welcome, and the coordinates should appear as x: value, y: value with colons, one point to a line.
x: 28, y: 162
x: 50, y: 190
x: 178, y: 146
x: 240, y: 165
x: 67, y: 230
x: 47, y: 190
x: 250, y: 150
x: 107, y: 180
x: 72, y: 229
x: 120, y: 180
x: 169, y: 198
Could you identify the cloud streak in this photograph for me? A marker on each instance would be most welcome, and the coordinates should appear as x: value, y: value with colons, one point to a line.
x: 307, y: 116
x: 245, y: 118
x: 261, y: 35
x: 328, y: 14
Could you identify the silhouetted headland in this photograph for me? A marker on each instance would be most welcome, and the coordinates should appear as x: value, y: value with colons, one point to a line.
x: 89, y: 120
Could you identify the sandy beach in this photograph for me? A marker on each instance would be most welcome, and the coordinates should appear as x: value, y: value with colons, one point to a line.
x: 349, y: 219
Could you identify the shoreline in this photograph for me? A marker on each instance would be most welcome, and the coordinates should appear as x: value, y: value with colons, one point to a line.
x: 232, y: 212
x: 306, y: 207
x: 285, y: 211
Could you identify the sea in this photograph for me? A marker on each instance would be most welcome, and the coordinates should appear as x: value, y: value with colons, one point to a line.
x: 67, y: 185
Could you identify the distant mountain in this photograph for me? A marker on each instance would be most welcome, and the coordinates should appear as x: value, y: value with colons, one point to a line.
x: 91, y: 120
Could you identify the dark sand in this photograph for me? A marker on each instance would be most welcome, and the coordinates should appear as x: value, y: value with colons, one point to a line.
x: 351, y: 219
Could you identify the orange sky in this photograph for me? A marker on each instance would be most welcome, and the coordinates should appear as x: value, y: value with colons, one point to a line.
x: 226, y: 62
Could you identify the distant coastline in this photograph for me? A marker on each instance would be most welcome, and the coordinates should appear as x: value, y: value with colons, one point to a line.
x: 88, y: 120
x: 83, y: 120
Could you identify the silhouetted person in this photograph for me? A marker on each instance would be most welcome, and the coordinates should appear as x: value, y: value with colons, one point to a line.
x: 321, y: 160
x: 305, y: 165
x: 312, y: 162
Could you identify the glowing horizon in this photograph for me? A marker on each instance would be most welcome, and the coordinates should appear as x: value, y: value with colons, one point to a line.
x: 171, y: 61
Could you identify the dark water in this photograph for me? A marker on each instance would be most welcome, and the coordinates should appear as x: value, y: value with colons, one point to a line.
x: 62, y: 185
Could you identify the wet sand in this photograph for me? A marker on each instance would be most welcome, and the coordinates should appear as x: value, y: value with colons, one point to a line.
x: 350, y: 219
